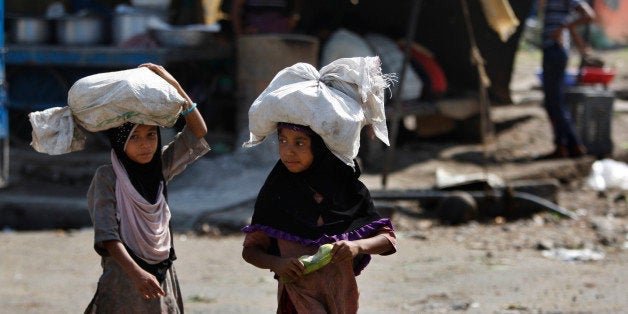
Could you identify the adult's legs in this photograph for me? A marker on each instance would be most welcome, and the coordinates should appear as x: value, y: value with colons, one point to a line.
x: 554, y: 67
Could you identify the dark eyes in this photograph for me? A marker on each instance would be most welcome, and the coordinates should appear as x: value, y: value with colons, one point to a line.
x: 149, y: 135
x: 284, y: 141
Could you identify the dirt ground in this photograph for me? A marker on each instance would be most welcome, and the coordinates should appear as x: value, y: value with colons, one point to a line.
x: 539, y: 264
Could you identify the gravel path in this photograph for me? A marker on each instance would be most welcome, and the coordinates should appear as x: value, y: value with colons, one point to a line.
x: 473, y: 269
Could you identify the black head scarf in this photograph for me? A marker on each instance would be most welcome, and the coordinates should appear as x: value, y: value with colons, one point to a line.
x: 286, y: 200
x: 144, y: 177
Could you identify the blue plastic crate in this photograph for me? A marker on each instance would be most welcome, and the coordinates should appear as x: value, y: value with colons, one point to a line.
x: 571, y: 77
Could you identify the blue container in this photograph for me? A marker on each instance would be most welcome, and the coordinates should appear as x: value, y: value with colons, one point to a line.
x: 571, y: 77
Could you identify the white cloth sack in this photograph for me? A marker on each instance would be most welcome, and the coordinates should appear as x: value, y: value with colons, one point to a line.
x: 102, y: 101
x: 106, y: 100
x: 54, y: 131
x: 336, y: 103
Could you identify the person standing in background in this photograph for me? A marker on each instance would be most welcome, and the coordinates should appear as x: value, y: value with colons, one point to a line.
x: 561, y: 18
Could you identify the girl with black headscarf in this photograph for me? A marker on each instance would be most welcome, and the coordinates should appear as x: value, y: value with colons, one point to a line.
x: 127, y: 200
x: 313, y: 195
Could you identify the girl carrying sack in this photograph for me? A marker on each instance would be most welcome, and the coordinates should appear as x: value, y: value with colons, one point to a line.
x: 313, y: 199
x: 127, y: 199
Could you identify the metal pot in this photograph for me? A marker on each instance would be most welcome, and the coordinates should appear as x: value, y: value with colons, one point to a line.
x: 129, y: 24
x: 80, y: 30
x: 30, y: 30
x: 181, y: 37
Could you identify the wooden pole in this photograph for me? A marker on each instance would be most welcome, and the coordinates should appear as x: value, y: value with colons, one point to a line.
x: 395, y: 116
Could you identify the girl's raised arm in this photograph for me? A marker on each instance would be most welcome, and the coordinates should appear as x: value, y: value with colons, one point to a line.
x: 193, y: 119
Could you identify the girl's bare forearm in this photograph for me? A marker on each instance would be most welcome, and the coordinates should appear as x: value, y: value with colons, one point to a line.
x: 258, y: 258
x: 376, y: 245
x: 121, y: 256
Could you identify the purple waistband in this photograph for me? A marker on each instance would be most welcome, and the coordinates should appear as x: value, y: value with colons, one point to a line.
x: 360, y: 233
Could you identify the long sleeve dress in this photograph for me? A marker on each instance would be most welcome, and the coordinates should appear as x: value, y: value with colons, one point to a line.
x: 295, y: 213
x: 116, y: 293
x: 331, y: 289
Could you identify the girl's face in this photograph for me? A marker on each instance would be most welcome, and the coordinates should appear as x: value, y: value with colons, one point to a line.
x: 295, y: 150
x: 142, y: 143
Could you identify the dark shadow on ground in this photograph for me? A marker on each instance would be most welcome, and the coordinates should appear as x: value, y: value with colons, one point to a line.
x: 412, y: 149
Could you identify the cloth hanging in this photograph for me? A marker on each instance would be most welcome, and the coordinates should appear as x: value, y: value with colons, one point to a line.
x: 500, y: 17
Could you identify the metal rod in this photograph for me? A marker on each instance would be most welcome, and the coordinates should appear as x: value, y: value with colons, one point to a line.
x: 396, y: 195
x: 395, y: 116
x: 487, y: 131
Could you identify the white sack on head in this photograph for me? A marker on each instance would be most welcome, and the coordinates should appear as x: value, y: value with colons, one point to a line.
x: 336, y: 103
x: 54, y: 131
x: 106, y: 100
x: 103, y: 101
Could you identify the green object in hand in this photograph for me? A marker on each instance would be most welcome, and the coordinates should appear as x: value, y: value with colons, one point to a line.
x: 315, y: 262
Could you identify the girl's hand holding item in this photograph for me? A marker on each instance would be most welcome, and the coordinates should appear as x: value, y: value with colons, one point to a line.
x: 161, y: 71
x: 290, y: 269
x: 193, y: 118
x: 344, y: 250
x: 312, y: 263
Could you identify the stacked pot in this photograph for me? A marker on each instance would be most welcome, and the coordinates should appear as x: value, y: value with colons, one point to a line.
x: 86, y: 28
x: 78, y: 29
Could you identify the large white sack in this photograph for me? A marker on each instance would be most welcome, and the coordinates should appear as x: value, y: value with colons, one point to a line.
x: 106, y: 100
x: 54, y: 131
x: 103, y: 101
x: 335, y: 102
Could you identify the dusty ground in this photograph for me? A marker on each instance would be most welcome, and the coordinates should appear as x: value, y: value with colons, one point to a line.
x: 496, y: 266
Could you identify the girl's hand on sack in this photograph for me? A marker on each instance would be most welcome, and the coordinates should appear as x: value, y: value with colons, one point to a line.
x: 344, y: 250
x: 193, y: 120
x: 289, y: 268
x: 147, y: 285
x: 161, y: 71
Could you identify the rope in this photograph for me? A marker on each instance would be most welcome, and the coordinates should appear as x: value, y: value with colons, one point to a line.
x: 486, y: 125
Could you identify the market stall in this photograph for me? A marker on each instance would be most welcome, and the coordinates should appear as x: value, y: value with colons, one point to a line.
x: 45, y: 55
x: 36, y: 71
